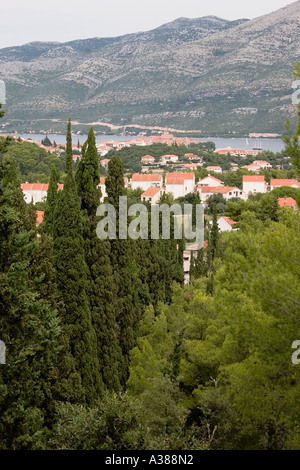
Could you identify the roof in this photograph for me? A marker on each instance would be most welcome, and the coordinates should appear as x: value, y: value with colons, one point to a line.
x: 287, y: 202
x: 218, y: 189
x: 190, y: 165
x: 284, y: 182
x: 252, y: 167
x: 179, y: 178
x: 229, y: 221
x: 262, y: 162
x: 146, y: 157
x: 39, y: 217
x: 151, y: 192
x: 214, y: 168
x: 212, y: 178
x: 38, y: 187
x: 139, y: 177
x: 230, y: 150
x: 102, y: 180
x: 253, y: 179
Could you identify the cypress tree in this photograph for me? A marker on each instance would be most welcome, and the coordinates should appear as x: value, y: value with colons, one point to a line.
x: 123, y: 257
x: 198, y: 265
x: 29, y: 327
x: 71, y: 278
x: 52, y: 196
x: 100, y: 286
x: 69, y: 150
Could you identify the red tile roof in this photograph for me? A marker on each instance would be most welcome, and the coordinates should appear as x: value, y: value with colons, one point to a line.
x: 287, y: 202
x: 211, y: 177
x: 39, y: 217
x: 38, y: 187
x: 253, y: 179
x: 139, y: 177
x: 179, y: 178
x: 217, y: 189
x: 229, y: 221
x: 151, y: 192
x: 284, y: 182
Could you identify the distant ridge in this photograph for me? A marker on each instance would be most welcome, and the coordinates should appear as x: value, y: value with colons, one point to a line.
x: 210, y: 74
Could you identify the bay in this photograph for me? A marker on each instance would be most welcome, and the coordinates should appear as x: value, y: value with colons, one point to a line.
x: 275, y: 145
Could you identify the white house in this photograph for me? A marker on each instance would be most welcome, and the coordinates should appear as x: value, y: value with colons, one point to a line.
x: 210, y: 181
x: 180, y: 184
x: 146, y: 181
x: 215, y: 169
x: 263, y: 164
x: 192, y: 156
x: 254, y: 184
x: 152, y: 195
x: 169, y: 158
x: 148, y: 159
x: 103, y: 189
x: 36, y: 192
x: 187, y: 256
x: 105, y: 163
x: 279, y: 183
x: 226, y: 225
x: 253, y: 167
x: 228, y: 192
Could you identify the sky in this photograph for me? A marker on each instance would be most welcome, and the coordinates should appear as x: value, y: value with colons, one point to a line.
x: 23, y: 21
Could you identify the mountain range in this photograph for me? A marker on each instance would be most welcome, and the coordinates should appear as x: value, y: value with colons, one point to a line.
x: 208, y: 74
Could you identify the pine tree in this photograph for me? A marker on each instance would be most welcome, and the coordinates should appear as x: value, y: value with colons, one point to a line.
x: 100, y: 286
x: 52, y: 196
x: 71, y: 278
x: 29, y: 327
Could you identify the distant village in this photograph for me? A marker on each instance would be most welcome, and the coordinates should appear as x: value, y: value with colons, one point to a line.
x: 180, y: 181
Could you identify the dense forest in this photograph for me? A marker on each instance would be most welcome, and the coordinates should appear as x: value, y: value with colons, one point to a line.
x: 108, y: 350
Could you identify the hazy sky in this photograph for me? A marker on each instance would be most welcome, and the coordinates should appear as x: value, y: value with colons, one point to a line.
x: 23, y: 21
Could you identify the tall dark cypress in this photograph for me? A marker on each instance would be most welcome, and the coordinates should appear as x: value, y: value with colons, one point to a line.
x: 29, y: 327
x: 69, y: 150
x: 52, y: 196
x: 125, y: 272
x: 100, y: 286
x: 71, y: 278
